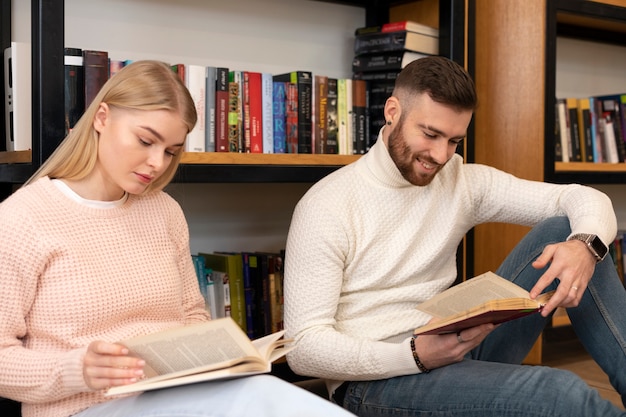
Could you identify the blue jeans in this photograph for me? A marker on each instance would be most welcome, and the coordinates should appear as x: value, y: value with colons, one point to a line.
x: 259, y: 396
x: 491, y: 381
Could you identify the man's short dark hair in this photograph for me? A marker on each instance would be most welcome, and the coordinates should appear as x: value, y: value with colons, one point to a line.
x: 444, y: 80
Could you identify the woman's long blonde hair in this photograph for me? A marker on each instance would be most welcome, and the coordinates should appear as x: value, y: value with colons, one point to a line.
x: 142, y: 85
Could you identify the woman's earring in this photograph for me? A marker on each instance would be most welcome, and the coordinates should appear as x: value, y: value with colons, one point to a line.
x: 389, y: 122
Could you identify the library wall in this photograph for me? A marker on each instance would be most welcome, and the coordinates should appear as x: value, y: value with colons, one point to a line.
x: 269, y: 35
x: 585, y: 69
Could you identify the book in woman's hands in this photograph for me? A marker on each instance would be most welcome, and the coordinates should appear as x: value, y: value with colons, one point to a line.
x: 487, y: 298
x: 216, y: 349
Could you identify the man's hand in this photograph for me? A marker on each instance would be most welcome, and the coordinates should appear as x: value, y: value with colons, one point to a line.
x: 436, y: 351
x: 108, y: 364
x: 573, y: 264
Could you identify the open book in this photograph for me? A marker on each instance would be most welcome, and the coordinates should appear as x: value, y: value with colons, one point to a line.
x: 487, y: 298
x: 216, y: 349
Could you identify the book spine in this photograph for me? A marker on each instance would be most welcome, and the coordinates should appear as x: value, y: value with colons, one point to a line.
x: 256, y: 111
x: 267, y: 84
x: 359, y: 116
x: 211, y: 86
x: 331, y: 119
x: 342, y: 116
x: 572, y: 118
x: 233, y: 116
x: 196, y: 84
x: 221, y: 110
x: 303, y: 80
x: 249, y: 262
x: 291, y: 118
x: 395, y: 41
x: 246, y: 112
x: 349, y: 143
x: 321, y: 94
x: 279, y: 96
x: 386, y: 61
x: 74, y: 87
x: 96, y: 66
x: 564, y: 130
x: 584, y: 124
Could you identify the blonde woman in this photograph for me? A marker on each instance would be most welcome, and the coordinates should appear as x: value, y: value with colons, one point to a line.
x: 93, y: 251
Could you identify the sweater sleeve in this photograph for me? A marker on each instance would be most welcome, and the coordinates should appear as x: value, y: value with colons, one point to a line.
x: 28, y: 375
x: 317, y: 249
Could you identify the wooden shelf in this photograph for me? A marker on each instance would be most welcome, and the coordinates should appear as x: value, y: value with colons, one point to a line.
x: 589, y: 167
x: 216, y: 167
x: 226, y: 158
x: 18, y: 157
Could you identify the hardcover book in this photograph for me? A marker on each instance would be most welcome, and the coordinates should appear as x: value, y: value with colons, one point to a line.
x: 303, y: 80
x: 279, y: 115
x: 410, y: 26
x: 321, y: 100
x: 487, y: 298
x: 96, y: 66
x: 74, y: 81
x: 212, y: 350
x: 210, y: 107
x: 396, y: 41
x: 387, y: 61
x: 332, y: 124
x: 231, y: 265
x: 196, y: 84
x: 267, y: 84
x: 584, y: 126
x: 221, y: 110
x: 360, y: 119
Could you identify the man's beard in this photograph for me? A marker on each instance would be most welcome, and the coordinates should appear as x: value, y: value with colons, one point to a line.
x: 404, y: 159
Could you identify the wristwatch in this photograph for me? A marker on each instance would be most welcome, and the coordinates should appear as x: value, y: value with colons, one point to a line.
x: 595, y: 245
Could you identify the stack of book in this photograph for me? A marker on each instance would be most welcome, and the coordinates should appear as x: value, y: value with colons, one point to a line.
x: 591, y: 129
x: 380, y: 52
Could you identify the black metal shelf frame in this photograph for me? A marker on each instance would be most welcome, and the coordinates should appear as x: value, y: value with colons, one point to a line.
x: 588, y: 10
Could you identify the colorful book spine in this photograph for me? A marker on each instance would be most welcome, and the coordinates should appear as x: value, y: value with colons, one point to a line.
x: 267, y: 83
x: 196, y: 84
x: 233, y: 117
x: 304, y: 84
x: 321, y: 119
x: 96, y: 67
x: 291, y: 119
x: 279, y: 97
x: 74, y: 87
x: 210, y: 106
x: 255, y: 109
x: 332, y: 124
x: 221, y: 110
x: 360, y: 120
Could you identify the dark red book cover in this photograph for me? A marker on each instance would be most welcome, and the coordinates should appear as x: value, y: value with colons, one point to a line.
x: 96, y: 66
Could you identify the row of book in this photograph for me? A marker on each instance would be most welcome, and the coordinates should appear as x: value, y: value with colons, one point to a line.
x: 380, y: 53
x: 244, y: 111
x: 246, y: 286
x: 591, y: 129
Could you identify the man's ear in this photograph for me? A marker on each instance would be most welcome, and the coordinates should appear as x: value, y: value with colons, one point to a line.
x: 102, y: 117
x: 392, y: 110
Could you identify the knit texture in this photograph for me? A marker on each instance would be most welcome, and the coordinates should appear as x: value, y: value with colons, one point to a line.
x: 72, y: 274
x: 365, y: 247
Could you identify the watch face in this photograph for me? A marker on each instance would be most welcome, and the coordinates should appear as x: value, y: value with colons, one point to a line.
x: 599, y: 247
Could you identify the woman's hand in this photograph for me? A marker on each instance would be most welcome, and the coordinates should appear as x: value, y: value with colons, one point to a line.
x: 107, y: 365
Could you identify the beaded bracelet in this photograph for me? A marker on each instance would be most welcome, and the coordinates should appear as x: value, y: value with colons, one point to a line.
x: 418, y: 362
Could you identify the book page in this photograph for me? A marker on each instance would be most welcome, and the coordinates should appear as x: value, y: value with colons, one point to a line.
x: 474, y: 291
x: 194, y: 348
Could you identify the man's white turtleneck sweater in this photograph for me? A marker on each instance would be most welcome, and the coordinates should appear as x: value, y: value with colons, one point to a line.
x: 365, y: 247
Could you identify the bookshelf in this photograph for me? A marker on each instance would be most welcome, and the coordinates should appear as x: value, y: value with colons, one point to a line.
x: 47, y: 16
x: 513, y: 56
